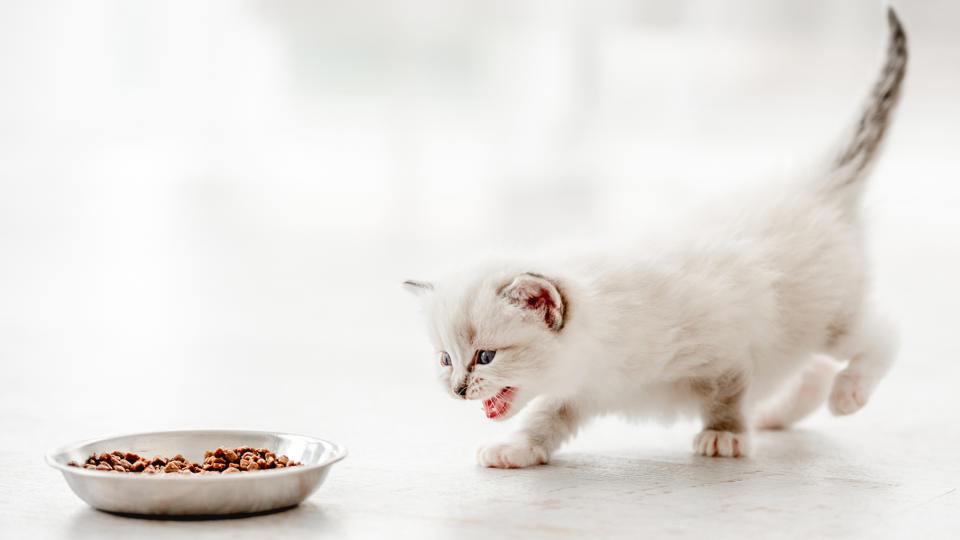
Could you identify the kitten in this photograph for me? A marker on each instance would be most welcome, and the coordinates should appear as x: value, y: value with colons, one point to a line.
x: 709, y: 323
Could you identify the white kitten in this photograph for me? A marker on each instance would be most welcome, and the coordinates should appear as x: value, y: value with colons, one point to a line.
x: 709, y: 322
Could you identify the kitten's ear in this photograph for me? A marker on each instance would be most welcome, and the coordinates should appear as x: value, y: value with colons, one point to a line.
x: 418, y: 288
x: 538, y: 295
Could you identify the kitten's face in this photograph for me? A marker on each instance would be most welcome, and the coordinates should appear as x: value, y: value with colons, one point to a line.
x: 493, y: 337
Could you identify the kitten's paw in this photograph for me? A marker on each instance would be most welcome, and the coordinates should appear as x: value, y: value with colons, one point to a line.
x: 713, y: 443
x: 512, y: 455
x: 849, y: 394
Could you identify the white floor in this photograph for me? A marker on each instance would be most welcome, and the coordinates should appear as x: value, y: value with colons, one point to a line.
x: 892, y: 470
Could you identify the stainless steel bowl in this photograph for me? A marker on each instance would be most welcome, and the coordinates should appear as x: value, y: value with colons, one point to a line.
x: 198, y: 495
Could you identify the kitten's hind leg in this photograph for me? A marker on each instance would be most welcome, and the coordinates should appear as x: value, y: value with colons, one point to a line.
x: 870, y: 346
x: 725, y: 432
x: 806, y: 391
x: 545, y: 428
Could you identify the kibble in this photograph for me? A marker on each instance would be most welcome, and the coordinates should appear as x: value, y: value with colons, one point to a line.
x: 220, y: 461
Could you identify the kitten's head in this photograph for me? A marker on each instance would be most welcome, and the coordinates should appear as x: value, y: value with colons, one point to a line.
x: 495, y: 334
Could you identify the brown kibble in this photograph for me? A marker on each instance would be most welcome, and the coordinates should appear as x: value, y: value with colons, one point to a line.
x: 222, y: 460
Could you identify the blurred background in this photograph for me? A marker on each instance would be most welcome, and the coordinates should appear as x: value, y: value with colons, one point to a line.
x: 211, y: 205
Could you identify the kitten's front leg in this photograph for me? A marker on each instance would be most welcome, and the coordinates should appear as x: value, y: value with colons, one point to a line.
x: 725, y: 432
x: 543, y: 431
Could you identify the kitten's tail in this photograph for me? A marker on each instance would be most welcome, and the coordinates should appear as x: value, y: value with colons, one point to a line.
x: 851, y: 166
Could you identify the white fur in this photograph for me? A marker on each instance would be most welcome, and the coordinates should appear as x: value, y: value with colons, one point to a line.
x: 756, y: 289
x: 756, y: 292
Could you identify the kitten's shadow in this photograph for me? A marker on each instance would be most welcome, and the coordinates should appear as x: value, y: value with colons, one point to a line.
x: 795, y: 444
x: 306, y: 518
x: 778, y: 452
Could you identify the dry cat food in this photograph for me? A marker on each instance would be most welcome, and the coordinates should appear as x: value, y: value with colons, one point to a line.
x: 220, y: 461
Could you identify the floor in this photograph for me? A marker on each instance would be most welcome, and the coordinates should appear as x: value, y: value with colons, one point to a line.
x: 891, y: 471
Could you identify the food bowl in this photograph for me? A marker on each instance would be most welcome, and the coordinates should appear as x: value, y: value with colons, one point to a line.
x: 194, y: 494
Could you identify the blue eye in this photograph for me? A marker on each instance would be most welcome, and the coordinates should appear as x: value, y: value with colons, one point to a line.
x: 485, y: 357
x: 445, y: 359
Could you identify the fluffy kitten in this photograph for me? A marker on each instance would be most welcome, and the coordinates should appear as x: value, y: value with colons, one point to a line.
x: 709, y: 323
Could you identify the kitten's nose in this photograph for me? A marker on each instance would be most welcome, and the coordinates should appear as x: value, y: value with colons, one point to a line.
x: 462, y: 390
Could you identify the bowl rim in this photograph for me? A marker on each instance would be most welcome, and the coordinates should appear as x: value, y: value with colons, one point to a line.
x: 338, y: 452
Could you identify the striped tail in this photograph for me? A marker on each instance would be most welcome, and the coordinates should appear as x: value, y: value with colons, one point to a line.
x: 851, y: 166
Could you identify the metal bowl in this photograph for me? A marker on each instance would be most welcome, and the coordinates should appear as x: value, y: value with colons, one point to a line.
x: 198, y: 495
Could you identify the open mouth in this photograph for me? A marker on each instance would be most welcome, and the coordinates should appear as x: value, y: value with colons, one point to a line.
x: 499, y: 404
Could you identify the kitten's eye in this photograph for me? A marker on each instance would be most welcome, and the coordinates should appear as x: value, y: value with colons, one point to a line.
x: 445, y: 359
x: 485, y: 357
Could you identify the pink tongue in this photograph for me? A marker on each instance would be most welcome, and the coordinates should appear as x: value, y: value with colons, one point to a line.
x: 498, y: 404
x: 488, y: 407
